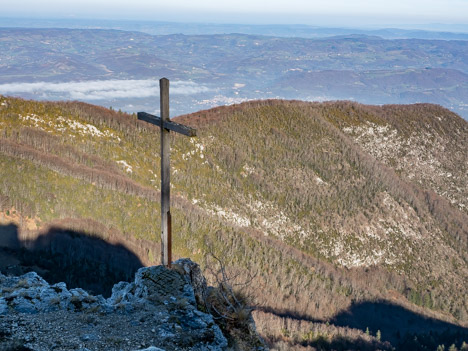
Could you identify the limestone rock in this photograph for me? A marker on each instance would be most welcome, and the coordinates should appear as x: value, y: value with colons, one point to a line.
x: 157, y: 309
x: 193, y: 272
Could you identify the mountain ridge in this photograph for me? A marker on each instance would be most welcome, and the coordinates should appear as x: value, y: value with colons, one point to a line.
x: 297, y: 194
x: 165, y: 28
x: 222, y: 69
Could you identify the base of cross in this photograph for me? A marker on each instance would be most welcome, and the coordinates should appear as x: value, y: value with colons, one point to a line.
x: 169, y: 243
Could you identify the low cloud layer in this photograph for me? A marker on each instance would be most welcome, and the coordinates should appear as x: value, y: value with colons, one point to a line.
x: 100, y: 89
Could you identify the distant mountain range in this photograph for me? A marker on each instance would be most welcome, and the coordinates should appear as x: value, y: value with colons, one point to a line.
x: 336, y: 218
x: 220, y: 69
x: 438, y: 31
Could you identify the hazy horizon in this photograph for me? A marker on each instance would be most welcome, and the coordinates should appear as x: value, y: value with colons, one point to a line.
x: 106, y: 23
x: 417, y: 14
x: 122, y: 85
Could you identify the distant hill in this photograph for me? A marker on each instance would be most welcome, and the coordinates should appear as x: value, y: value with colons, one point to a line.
x: 220, y: 69
x: 334, y: 213
x: 443, y: 32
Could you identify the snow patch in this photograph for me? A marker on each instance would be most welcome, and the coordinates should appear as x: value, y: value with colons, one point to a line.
x: 82, y: 128
x: 356, y: 260
x: 273, y: 221
x: 247, y: 170
x: 420, y: 150
x: 127, y: 167
x: 63, y: 124
x: 228, y: 215
x: 198, y: 150
x: 33, y: 118
x: 267, y: 217
x: 386, y: 240
x: 320, y: 181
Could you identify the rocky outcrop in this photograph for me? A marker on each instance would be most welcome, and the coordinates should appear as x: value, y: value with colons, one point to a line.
x: 193, y: 272
x: 158, y: 310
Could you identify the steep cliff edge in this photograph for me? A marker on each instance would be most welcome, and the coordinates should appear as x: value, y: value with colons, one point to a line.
x: 157, y: 311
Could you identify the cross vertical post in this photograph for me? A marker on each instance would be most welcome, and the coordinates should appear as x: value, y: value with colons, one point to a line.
x: 166, y: 250
x: 166, y: 126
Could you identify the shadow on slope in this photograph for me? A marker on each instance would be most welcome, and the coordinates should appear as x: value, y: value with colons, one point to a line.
x: 73, y: 257
x: 364, y: 326
x: 397, y: 323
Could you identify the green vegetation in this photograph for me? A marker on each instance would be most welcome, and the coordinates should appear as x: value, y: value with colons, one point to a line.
x: 278, y: 189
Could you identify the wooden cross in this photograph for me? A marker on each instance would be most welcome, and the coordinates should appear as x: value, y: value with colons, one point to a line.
x: 166, y: 126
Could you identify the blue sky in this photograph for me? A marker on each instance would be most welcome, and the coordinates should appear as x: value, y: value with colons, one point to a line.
x: 357, y: 12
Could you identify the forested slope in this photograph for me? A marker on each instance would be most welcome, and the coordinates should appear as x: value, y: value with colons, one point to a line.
x: 325, y: 209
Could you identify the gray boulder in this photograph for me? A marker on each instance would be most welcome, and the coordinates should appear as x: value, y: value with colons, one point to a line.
x: 160, y: 305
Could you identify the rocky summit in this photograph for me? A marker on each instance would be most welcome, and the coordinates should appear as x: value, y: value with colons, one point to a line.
x: 157, y: 311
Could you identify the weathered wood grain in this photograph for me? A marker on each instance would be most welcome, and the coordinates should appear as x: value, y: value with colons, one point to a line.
x: 165, y: 170
x: 166, y: 126
x: 173, y: 126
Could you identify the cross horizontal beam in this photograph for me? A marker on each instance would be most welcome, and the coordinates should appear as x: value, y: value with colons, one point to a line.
x: 175, y: 127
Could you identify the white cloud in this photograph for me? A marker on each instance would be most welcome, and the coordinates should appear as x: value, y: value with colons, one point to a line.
x: 101, y: 89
